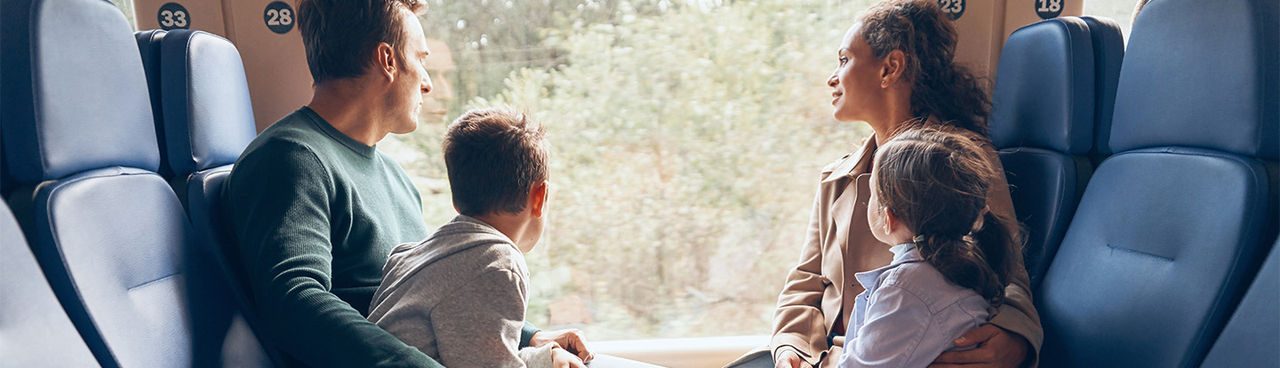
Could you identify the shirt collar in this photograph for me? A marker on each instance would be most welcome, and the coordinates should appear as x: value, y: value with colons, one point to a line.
x: 902, y: 253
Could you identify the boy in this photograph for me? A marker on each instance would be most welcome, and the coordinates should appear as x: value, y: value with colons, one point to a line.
x: 460, y: 295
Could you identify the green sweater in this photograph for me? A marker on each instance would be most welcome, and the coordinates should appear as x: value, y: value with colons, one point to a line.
x: 315, y: 215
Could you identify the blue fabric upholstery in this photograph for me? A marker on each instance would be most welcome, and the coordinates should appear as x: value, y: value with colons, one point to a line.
x: 208, y: 116
x: 1045, y: 187
x: 208, y: 121
x: 111, y: 241
x: 1043, y: 124
x: 149, y: 48
x: 1251, y: 337
x: 1165, y: 235
x: 1044, y: 91
x: 51, y: 48
x: 108, y: 231
x: 1193, y: 67
x: 34, y: 330
x: 1145, y: 270
x: 1108, y: 54
x: 226, y: 323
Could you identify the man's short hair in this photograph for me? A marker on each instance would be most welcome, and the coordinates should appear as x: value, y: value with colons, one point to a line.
x: 341, y: 35
x: 494, y: 158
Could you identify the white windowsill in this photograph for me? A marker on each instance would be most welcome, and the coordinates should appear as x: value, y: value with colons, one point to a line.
x: 710, y: 352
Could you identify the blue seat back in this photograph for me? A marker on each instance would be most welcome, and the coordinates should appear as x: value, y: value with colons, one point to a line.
x: 1042, y: 122
x: 108, y: 232
x: 208, y: 121
x: 1253, y: 333
x: 34, y: 330
x: 1108, y: 55
x: 1165, y: 234
x: 149, y: 48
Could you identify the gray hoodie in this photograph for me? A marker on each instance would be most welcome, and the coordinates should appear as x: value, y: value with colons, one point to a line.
x: 459, y: 296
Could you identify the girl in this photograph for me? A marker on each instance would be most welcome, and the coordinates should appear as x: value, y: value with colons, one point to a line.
x: 951, y: 256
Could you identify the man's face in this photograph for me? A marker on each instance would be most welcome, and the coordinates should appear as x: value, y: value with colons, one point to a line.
x: 411, y: 82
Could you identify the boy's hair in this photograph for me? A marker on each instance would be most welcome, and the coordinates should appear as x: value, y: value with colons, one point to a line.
x: 494, y: 158
x: 340, y: 35
x: 937, y: 183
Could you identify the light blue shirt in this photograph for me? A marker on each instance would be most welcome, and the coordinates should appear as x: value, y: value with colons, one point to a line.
x: 908, y: 314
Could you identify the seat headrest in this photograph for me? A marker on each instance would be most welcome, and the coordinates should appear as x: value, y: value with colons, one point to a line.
x: 149, y: 46
x: 1044, y: 94
x: 75, y: 94
x: 208, y: 117
x: 1108, y: 54
x: 1201, y: 74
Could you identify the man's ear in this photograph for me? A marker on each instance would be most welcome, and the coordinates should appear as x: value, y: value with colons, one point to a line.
x: 385, y: 60
x: 894, y: 66
x: 538, y: 198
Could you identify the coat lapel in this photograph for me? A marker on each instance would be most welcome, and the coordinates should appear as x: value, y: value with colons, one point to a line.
x: 844, y: 210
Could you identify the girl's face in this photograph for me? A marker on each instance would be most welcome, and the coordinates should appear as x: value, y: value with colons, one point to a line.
x: 857, y: 82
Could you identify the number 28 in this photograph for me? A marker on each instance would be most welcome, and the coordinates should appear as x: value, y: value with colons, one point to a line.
x: 282, y: 17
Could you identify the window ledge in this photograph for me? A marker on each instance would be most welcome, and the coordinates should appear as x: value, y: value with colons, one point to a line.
x: 712, y: 352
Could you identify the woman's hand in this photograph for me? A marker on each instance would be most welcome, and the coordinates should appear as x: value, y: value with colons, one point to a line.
x: 570, y: 340
x: 995, y: 347
x: 788, y: 359
x: 561, y: 358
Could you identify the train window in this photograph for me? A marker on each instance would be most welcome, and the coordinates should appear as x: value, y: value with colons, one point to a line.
x: 126, y: 6
x: 1120, y: 11
x: 686, y: 141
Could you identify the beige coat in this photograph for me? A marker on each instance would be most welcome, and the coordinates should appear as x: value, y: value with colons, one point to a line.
x: 839, y: 243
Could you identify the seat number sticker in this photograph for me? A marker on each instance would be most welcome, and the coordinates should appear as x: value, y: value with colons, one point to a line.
x: 952, y: 8
x: 279, y: 17
x: 1049, y: 8
x: 173, y: 16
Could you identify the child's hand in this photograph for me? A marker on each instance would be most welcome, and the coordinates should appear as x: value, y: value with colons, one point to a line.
x: 570, y: 340
x: 561, y: 358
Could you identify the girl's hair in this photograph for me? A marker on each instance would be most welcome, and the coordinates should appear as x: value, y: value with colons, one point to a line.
x: 936, y: 183
x: 939, y: 87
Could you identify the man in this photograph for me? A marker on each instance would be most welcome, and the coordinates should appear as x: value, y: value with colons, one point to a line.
x: 315, y: 208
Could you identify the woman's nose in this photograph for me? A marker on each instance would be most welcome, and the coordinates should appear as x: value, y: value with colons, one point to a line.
x: 832, y: 81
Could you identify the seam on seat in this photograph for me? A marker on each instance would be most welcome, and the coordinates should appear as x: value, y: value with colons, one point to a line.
x: 148, y: 283
x: 1138, y: 252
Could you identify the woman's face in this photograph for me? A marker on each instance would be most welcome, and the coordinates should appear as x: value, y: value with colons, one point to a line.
x: 857, y: 84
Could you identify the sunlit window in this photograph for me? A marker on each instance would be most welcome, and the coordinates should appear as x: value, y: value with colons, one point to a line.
x: 687, y: 139
x: 1120, y: 11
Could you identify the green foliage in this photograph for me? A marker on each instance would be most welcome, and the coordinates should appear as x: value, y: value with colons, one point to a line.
x: 685, y: 147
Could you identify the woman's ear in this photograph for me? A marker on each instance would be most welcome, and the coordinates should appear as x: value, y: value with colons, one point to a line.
x: 538, y: 198
x: 895, y: 64
x: 385, y: 60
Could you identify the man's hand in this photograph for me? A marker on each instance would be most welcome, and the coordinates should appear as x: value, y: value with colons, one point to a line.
x: 561, y: 358
x: 571, y: 340
x: 995, y: 347
x: 788, y: 359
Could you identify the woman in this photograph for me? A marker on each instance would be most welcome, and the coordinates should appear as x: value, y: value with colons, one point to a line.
x: 896, y: 72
